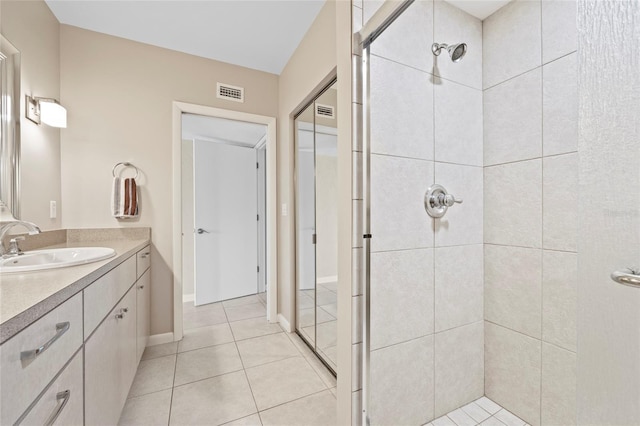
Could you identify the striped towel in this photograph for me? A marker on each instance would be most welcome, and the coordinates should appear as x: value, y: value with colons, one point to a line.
x: 124, y: 198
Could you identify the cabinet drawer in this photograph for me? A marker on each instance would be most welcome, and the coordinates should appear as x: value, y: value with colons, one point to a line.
x: 143, y: 259
x: 25, y: 374
x: 101, y: 296
x: 62, y: 402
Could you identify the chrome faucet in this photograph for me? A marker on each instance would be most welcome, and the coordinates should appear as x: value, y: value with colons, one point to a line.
x: 14, y: 250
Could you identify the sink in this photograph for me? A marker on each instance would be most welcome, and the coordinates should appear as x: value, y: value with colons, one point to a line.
x: 55, y: 258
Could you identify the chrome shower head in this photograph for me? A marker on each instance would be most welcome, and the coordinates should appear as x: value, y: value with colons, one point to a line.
x: 456, y: 51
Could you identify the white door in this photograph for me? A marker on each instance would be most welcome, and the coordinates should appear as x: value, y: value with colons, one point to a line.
x: 225, y: 216
x: 609, y: 151
x: 262, y: 219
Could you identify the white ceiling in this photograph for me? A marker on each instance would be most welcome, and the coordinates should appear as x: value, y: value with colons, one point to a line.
x: 481, y: 9
x: 258, y: 34
x: 220, y: 129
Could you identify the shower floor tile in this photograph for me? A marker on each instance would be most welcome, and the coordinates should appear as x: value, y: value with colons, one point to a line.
x: 483, y: 412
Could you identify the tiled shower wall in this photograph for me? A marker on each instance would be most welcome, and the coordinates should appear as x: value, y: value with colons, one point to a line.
x: 530, y: 209
x: 427, y: 328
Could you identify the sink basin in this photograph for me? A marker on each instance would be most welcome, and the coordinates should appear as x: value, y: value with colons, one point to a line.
x: 55, y: 258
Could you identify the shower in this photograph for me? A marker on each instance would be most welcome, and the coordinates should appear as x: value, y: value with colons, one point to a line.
x: 456, y: 51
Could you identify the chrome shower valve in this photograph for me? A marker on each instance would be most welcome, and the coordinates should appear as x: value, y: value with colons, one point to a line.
x: 437, y: 200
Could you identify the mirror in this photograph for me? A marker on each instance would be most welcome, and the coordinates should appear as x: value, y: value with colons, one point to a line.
x: 10, y: 130
x: 317, y: 224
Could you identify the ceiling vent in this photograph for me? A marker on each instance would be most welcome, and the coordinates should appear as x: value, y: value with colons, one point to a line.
x: 326, y: 111
x: 230, y: 93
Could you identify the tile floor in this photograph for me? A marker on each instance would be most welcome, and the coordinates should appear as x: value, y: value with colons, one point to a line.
x: 483, y: 412
x: 231, y: 368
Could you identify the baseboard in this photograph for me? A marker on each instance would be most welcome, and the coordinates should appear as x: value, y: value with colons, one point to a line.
x: 327, y: 280
x: 284, y: 323
x: 187, y: 298
x: 159, y: 339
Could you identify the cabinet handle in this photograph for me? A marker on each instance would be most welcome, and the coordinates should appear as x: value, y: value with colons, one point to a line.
x: 125, y: 310
x: 60, y: 396
x: 144, y: 255
x: 141, y: 287
x: 119, y: 316
x: 61, y: 328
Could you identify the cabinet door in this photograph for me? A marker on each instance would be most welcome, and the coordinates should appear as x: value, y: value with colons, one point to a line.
x: 143, y: 302
x: 110, y: 363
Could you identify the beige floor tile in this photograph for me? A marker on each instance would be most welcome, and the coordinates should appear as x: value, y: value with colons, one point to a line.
x: 239, y: 301
x: 322, y: 371
x: 212, y: 401
x: 283, y: 381
x: 305, y: 301
x: 252, y: 310
x: 204, y: 317
x: 153, y: 375
x: 208, y: 362
x: 151, y: 409
x: 325, y: 297
x: 331, y: 309
x: 158, y: 351
x: 253, y: 327
x: 313, y: 410
x: 205, y: 336
x: 327, y: 334
x: 252, y: 420
x: 190, y: 307
x: 262, y: 296
x: 308, y: 317
x: 261, y: 350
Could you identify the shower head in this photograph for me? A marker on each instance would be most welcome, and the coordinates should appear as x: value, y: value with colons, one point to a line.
x: 456, y: 51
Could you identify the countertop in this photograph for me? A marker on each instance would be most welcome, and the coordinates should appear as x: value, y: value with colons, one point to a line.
x: 27, y: 297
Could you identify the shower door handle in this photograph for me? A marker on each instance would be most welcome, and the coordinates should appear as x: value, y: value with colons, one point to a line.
x: 629, y: 277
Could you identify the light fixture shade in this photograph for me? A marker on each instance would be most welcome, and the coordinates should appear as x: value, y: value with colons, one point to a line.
x: 52, y: 113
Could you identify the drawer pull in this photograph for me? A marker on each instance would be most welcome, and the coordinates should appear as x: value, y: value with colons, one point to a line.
x: 144, y: 255
x: 141, y: 287
x: 61, y: 396
x: 61, y: 328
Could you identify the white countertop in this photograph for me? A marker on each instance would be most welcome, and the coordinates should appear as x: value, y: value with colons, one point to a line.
x: 26, y: 297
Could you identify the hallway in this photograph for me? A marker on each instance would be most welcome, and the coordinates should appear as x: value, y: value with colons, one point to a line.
x: 231, y: 368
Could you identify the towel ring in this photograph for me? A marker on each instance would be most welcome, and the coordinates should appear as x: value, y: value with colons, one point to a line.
x: 124, y: 164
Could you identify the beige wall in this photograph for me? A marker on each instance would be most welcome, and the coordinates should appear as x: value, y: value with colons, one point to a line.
x: 31, y: 28
x: 307, y: 69
x: 119, y: 96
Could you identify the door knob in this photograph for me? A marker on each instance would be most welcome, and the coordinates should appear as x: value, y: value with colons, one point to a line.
x: 202, y: 231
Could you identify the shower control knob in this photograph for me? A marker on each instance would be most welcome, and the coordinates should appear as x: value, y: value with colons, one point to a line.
x: 437, y: 200
x: 449, y: 200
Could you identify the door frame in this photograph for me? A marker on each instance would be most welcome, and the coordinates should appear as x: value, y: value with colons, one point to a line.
x: 178, y: 109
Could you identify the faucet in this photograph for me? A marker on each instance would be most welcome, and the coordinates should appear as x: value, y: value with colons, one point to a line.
x: 14, y: 250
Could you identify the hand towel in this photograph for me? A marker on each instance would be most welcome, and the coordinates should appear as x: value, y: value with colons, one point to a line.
x: 124, y: 198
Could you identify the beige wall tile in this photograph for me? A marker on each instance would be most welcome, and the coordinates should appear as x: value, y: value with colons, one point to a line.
x: 512, y: 371
x: 401, y: 296
x: 513, y: 204
x: 459, y: 366
x: 402, y: 383
x: 559, y: 298
x: 559, y: 28
x: 513, y: 128
x: 560, y: 202
x: 459, y: 286
x: 560, y: 105
x: 513, y: 288
x: 507, y: 53
x: 558, y: 386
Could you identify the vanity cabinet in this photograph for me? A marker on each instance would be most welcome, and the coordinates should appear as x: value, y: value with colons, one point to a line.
x: 76, y: 364
x: 32, y: 359
x: 110, y: 363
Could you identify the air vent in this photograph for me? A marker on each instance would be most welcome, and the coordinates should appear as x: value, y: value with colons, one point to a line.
x: 326, y: 111
x: 230, y: 93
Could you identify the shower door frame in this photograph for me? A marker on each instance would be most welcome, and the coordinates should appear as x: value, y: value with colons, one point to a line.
x: 362, y: 41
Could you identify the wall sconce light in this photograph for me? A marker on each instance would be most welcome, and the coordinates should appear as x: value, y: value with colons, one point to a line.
x: 47, y: 111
